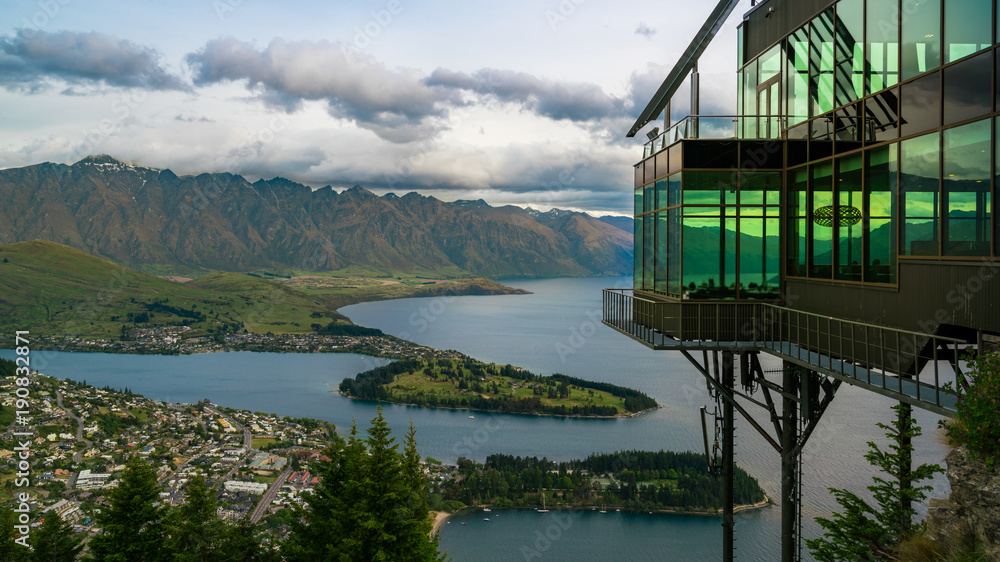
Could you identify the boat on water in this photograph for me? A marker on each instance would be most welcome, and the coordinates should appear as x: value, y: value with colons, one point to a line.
x: 486, y: 518
x: 602, y: 509
x: 472, y: 417
x: 543, y: 510
x: 487, y: 509
x: 464, y: 523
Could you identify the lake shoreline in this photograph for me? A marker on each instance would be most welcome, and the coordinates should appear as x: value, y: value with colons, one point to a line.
x: 443, y: 517
x: 539, y: 415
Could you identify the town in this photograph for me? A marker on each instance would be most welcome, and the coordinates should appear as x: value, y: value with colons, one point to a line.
x: 182, y: 340
x: 258, y: 464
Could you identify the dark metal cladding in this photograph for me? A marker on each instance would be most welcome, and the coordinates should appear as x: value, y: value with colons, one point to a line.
x: 933, y: 297
x: 771, y: 20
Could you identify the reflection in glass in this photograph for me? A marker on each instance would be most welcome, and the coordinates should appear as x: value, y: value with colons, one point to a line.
x: 882, y: 117
x: 880, y: 215
x: 709, y: 188
x: 919, y: 158
x: 749, y: 100
x: 649, y: 197
x: 638, y: 202
x: 967, y: 27
x: 661, y: 194
x: 637, y: 256
x: 967, y: 190
x: 921, y: 29
x: 821, y: 63
x: 674, y: 252
x: 967, y: 89
x: 882, y: 45
x: 674, y: 190
x: 847, y: 129
x: 648, y: 252
x: 797, y: 76
x: 920, y: 104
x: 709, y: 257
x: 798, y: 183
x: 760, y: 188
x: 850, y: 56
x: 820, y: 203
x: 847, y: 217
x: 660, y: 283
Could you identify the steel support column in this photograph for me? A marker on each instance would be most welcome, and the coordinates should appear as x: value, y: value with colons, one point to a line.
x: 789, y: 463
x: 728, y: 524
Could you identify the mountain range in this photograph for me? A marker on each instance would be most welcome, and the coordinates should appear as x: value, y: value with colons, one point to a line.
x: 153, y: 219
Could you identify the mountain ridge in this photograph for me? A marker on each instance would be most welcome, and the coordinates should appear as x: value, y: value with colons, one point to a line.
x: 144, y: 216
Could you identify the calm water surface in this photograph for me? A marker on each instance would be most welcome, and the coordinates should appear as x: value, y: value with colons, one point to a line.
x: 555, y: 329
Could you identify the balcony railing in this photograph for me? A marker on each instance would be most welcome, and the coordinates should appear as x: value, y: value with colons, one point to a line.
x: 899, y: 363
x: 718, y: 127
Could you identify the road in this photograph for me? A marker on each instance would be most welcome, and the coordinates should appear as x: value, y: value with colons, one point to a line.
x: 77, y: 456
x: 269, y: 495
x: 247, y: 449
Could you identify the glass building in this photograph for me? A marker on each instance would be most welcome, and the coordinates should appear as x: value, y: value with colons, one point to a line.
x: 856, y: 179
x: 842, y: 220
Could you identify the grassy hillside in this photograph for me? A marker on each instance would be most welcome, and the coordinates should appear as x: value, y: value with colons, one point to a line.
x: 51, y: 289
x: 55, y: 290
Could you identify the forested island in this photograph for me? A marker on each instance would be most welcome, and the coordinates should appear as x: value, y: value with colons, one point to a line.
x: 470, y: 384
x: 634, y: 480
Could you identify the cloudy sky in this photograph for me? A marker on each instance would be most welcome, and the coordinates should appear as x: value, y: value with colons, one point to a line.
x: 524, y: 102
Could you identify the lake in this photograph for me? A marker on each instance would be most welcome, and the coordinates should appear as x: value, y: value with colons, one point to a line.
x: 557, y: 328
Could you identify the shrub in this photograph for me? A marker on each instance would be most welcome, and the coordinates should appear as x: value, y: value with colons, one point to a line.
x: 977, y: 413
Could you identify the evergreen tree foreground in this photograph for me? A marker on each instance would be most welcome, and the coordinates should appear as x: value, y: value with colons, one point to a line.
x: 371, y: 503
x: 866, y: 532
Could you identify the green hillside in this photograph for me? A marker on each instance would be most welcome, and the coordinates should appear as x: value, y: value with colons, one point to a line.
x: 55, y: 290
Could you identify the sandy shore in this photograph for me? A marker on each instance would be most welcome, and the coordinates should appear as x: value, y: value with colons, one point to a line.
x: 439, y: 517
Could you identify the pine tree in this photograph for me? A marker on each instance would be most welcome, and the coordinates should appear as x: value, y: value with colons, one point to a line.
x: 370, y: 505
x: 55, y: 541
x: 133, y: 526
x: 195, y: 529
x: 865, y: 532
x: 10, y: 551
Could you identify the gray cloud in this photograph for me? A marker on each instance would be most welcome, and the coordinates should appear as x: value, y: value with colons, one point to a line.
x: 576, y: 101
x: 645, y: 31
x: 31, y: 58
x: 394, y: 104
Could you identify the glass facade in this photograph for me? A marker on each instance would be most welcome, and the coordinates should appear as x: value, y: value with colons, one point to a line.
x: 887, y: 115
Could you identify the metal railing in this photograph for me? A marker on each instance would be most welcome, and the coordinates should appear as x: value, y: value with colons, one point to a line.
x: 747, y: 127
x: 899, y: 362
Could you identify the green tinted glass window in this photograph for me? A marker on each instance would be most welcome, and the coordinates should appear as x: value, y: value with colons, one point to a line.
x: 798, y: 212
x: 880, y: 216
x: 967, y: 27
x: 846, y: 217
x: 820, y: 228
x: 919, y: 182
x: 797, y: 76
x: 966, y: 188
x: 849, y: 55
x: 882, y: 44
x: 921, y: 31
x: 821, y: 75
x: 660, y: 282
